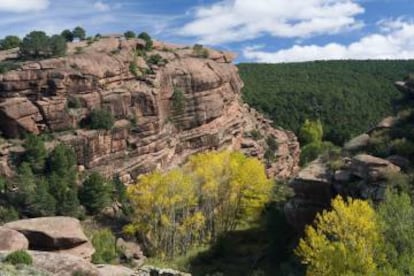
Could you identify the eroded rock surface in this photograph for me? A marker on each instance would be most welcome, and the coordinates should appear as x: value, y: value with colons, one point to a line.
x: 56, y: 95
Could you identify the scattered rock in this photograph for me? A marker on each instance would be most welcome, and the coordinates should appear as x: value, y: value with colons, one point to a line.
x: 154, y: 271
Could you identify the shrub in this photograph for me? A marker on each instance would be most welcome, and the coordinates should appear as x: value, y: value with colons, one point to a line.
x: 78, y: 50
x: 130, y: 34
x: 101, y: 119
x: 255, y: 134
x: 6, y: 66
x: 313, y: 150
x: 133, y: 68
x: 105, y: 247
x: 8, y: 214
x: 178, y: 101
x: 148, y: 40
x: 200, y: 51
x: 74, y: 102
x: 19, y: 257
x: 154, y: 59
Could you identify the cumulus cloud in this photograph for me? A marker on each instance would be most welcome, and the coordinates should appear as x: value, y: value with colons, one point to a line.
x: 102, y: 7
x: 393, y: 41
x: 240, y: 20
x: 23, y: 5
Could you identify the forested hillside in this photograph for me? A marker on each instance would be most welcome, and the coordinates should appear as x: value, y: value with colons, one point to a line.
x: 348, y: 96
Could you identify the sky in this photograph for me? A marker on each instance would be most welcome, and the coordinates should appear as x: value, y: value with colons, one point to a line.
x: 270, y: 31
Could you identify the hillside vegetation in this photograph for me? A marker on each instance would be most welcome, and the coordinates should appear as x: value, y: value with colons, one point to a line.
x: 347, y: 96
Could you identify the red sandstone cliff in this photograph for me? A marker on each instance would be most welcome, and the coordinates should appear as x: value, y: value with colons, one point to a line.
x: 147, y: 134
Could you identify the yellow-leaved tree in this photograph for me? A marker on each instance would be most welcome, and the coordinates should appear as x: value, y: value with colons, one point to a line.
x: 213, y: 193
x: 345, y: 241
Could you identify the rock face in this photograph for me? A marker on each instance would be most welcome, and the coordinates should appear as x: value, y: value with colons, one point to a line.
x: 58, y: 234
x: 363, y: 176
x: 12, y: 240
x: 57, y: 95
x: 131, y: 252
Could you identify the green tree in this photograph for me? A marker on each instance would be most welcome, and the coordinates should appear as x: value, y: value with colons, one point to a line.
x: 148, y: 40
x: 397, y: 217
x: 311, y: 131
x: 35, y: 45
x: 79, y: 33
x: 44, y: 204
x: 344, y: 241
x: 96, y: 193
x: 10, y: 42
x: 101, y: 119
x: 57, y: 45
x: 105, y: 247
x: 130, y: 34
x: 67, y: 35
x: 35, y: 153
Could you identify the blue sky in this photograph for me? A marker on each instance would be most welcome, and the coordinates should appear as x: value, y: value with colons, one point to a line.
x: 258, y: 30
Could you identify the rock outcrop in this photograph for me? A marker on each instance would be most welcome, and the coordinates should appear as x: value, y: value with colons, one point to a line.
x: 56, y: 234
x: 57, y: 95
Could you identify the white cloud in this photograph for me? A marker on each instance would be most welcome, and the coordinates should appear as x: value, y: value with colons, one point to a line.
x: 23, y: 5
x: 395, y: 41
x: 102, y: 7
x: 240, y: 20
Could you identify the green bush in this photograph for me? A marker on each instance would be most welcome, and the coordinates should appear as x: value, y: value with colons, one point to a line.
x: 8, y: 214
x: 154, y: 59
x: 148, y: 40
x: 130, y: 34
x: 178, y: 101
x: 101, y: 119
x: 133, y: 68
x: 105, y: 247
x: 6, y: 66
x: 313, y: 150
x: 200, y: 51
x: 19, y: 257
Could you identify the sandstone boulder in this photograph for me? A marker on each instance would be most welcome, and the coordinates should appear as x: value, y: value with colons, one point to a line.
x: 372, y: 168
x: 130, y: 251
x: 50, y: 232
x: 358, y: 142
x: 62, y: 264
x: 12, y: 240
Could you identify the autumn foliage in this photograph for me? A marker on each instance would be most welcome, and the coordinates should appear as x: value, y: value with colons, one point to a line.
x: 211, y: 194
x: 344, y: 241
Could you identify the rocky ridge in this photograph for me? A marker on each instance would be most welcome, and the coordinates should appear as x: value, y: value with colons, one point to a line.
x: 57, y: 95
